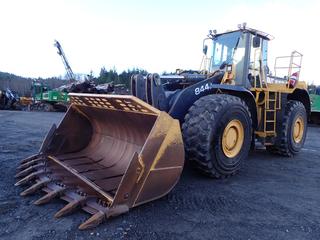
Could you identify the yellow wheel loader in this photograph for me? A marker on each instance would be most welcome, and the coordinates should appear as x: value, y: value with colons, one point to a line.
x: 111, y: 153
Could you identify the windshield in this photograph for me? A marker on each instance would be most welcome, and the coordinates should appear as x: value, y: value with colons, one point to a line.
x: 223, y: 50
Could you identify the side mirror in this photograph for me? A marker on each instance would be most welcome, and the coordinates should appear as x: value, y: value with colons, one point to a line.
x: 205, y: 49
x: 256, y: 42
x: 223, y: 65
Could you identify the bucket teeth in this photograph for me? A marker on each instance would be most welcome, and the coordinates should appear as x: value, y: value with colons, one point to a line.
x: 28, y: 170
x: 71, y: 206
x: 29, y: 163
x: 35, y: 187
x: 46, y: 198
x: 94, y: 221
x: 30, y: 158
x: 29, y: 177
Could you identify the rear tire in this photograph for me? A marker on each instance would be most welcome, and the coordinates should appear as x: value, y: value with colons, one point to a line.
x: 293, y: 131
x: 217, y: 134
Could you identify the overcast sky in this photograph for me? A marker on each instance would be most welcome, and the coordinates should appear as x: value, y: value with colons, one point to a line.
x: 153, y: 35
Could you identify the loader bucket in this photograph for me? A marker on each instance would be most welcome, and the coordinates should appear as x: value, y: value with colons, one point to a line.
x: 109, y: 153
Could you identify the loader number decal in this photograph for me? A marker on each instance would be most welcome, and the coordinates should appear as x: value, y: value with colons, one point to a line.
x: 202, y: 88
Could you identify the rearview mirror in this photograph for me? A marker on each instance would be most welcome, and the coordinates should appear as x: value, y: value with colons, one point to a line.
x: 256, y: 42
x: 205, y: 49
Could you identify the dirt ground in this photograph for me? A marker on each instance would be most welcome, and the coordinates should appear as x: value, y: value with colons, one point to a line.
x: 271, y: 198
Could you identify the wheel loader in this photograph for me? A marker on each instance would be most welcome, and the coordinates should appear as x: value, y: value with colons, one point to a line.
x: 8, y: 99
x: 111, y: 153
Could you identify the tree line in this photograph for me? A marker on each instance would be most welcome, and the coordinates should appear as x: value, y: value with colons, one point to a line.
x: 23, y: 85
x: 108, y: 76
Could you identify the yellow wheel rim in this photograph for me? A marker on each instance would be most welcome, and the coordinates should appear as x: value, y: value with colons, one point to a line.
x: 232, y: 138
x: 298, y: 129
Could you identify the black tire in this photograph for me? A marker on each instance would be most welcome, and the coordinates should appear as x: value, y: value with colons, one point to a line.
x: 287, y: 146
x: 47, y: 107
x: 203, y: 129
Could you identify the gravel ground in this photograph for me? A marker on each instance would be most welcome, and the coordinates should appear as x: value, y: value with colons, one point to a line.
x: 271, y: 198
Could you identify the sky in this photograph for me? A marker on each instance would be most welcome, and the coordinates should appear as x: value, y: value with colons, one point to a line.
x: 153, y: 35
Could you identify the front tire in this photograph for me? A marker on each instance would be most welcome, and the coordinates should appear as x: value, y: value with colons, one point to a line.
x: 217, y: 134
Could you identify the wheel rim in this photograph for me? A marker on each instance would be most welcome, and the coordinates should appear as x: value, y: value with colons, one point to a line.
x: 232, y: 138
x: 298, y: 129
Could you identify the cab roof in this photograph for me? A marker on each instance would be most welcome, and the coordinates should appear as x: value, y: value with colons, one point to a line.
x: 255, y: 32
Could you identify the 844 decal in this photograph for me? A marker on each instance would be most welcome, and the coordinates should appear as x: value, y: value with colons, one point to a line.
x: 203, y: 88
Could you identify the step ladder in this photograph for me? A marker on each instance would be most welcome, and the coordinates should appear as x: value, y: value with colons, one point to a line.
x: 271, y: 105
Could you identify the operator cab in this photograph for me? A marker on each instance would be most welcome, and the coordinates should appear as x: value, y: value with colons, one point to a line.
x: 242, y: 53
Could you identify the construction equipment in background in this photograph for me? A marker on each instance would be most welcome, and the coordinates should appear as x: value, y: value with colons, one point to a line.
x: 8, y: 100
x: 111, y: 153
x: 315, y: 105
x: 78, y: 86
x: 48, y: 100
x: 25, y: 103
x: 66, y: 64
x: 57, y: 99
